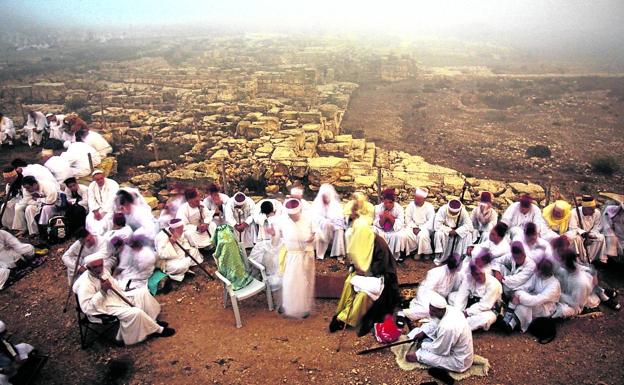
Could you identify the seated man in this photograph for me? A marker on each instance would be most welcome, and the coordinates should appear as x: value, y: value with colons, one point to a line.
x: 196, y: 219
x: 40, y: 198
x: 388, y: 223
x: 100, y: 294
x: 518, y: 214
x: 136, y: 263
x: 95, y: 140
x: 496, y: 243
x: 35, y: 126
x: 513, y: 270
x: 13, y: 189
x: 453, y: 231
x: 171, y: 259
x: 585, y: 232
x: 88, y: 244
x: 77, y: 155
x: 119, y: 229
x: 58, y: 166
x: 483, y: 218
x: 77, y: 203
x: 55, y: 127
x: 239, y: 214
x: 12, y: 357
x: 577, y: 286
x: 215, y: 202
x: 442, y: 280
x: 613, y: 230
x: 447, y: 341
x: 328, y: 222
x: 419, y: 216
x: 175, y: 200
x: 265, y: 210
x: 101, y: 198
x: 358, y: 207
x: 372, y: 290
x: 557, y: 218
x: 11, y: 252
x: 534, y: 246
x: 537, y: 298
x: 7, y: 130
x: 138, y: 213
x: 477, y: 297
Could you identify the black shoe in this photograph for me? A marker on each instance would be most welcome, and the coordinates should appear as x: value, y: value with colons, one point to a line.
x: 162, y: 323
x: 119, y: 344
x: 336, y: 325
x: 442, y: 375
x: 400, y: 260
x: 610, y: 293
x: 167, y: 332
x: 612, y: 303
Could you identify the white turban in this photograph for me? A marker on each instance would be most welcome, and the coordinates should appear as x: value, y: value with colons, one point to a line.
x: 292, y: 206
x: 95, y: 172
x: 89, y: 259
x: 436, y: 300
x: 175, y: 223
x: 421, y: 192
x: 2, y: 327
x: 296, y: 192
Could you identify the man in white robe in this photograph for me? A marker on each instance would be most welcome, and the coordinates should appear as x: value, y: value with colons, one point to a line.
x: 98, y: 294
x: 55, y: 126
x: 496, y: 243
x: 239, y: 214
x: 299, y: 272
x: 613, y: 230
x: 76, y: 208
x: 119, y: 229
x: 514, y: 270
x: 12, y: 251
x: 446, y: 340
x: 267, y: 248
x: 518, y: 214
x: 40, y: 199
x: 97, y: 141
x: 101, y: 197
x: 12, y: 189
x: 389, y: 222
x: 35, y: 126
x: 7, y: 130
x: 58, y: 166
x: 453, y: 231
x: 534, y: 246
x: 483, y: 218
x: 587, y: 235
x: 174, y: 201
x: 196, y: 219
x: 77, y: 155
x: 297, y: 193
x: 12, y: 357
x: 38, y: 171
x: 130, y: 202
x: 91, y: 245
x: 172, y: 260
x: 538, y: 297
x: 136, y: 263
x: 215, y: 202
x: 477, y: 297
x: 329, y: 223
x: 577, y: 288
x: 266, y: 208
x: 442, y: 280
x: 419, y: 217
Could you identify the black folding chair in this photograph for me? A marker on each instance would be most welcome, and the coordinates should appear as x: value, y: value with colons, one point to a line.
x: 98, y: 326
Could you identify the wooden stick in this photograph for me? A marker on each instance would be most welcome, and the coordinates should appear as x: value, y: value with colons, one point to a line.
x: 90, y: 161
x: 120, y: 295
x: 580, y: 221
x: 378, y: 348
x: 189, y: 254
x: 73, y: 280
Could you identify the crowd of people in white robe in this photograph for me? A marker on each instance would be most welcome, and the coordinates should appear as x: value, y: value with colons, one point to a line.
x: 535, y: 267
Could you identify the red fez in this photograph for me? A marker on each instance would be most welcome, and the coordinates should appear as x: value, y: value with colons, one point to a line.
x: 486, y: 197
x: 525, y: 201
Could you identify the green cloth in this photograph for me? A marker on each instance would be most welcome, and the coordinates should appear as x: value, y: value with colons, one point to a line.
x: 229, y: 256
x: 154, y: 279
x: 352, y: 306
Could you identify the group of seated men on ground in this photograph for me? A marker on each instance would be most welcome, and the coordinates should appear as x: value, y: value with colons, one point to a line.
x: 528, y: 264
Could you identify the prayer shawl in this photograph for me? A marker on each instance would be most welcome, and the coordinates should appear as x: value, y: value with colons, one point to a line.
x: 559, y: 226
x: 364, y: 209
x: 59, y: 167
x: 360, y: 244
x: 230, y: 257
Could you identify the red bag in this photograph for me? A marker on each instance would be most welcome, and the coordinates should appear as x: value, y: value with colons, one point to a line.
x: 387, y: 332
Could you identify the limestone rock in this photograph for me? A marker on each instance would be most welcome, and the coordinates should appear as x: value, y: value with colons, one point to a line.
x: 148, y: 179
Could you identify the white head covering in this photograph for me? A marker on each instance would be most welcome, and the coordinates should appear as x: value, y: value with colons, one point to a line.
x: 2, y: 327
x: 333, y: 208
x: 421, y: 192
x: 89, y: 259
x: 97, y: 171
x: 436, y: 300
x: 236, y: 197
x: 48, y: 115
x: 296, y: 206
x: 175, y: 223
x: 296, y: 192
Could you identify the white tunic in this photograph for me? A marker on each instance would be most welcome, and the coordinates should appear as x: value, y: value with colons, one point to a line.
x: 192, y: 218
x: 514, y: 275
x: 7, y: 130
x: 102, y: 199
x: 41, y: 202
x: 329, y: 223
x: 40, y: 173
x: 538, y: 249
x: 11, y: 250
x: 83, y: 192
x: 420, y: 217
x: 613, y: 230
x: 235, y: 214
x: 443, y: 224
x: 171, y: 258
x: 596, y: 248
x: 59, y: 167
x: 99, y: 248
x: 395, y: 237
x: 483, y: 223
x: 576, y: 292
x: 480, y: 314
x: 78, y: 158
x: 56, y: 127
x: 516, y: 220
x: 449, y: 342
x: 439, y: 280
x: 266, y: 252
x: 260, y: 219
x: 136, y: 267
x: 136, y: 323
x: 34, y: 128
x: 209, y: 204
x: 97, y: 141
x: 538, y: 298
x: 299, y: 272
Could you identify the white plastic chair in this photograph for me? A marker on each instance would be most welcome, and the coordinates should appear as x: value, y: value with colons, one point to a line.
x: 253, y: 288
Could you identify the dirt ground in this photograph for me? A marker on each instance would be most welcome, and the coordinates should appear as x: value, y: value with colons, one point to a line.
x: 482, y: 126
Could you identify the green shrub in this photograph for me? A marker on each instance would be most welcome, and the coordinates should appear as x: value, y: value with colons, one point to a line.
x: 605, y: 165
